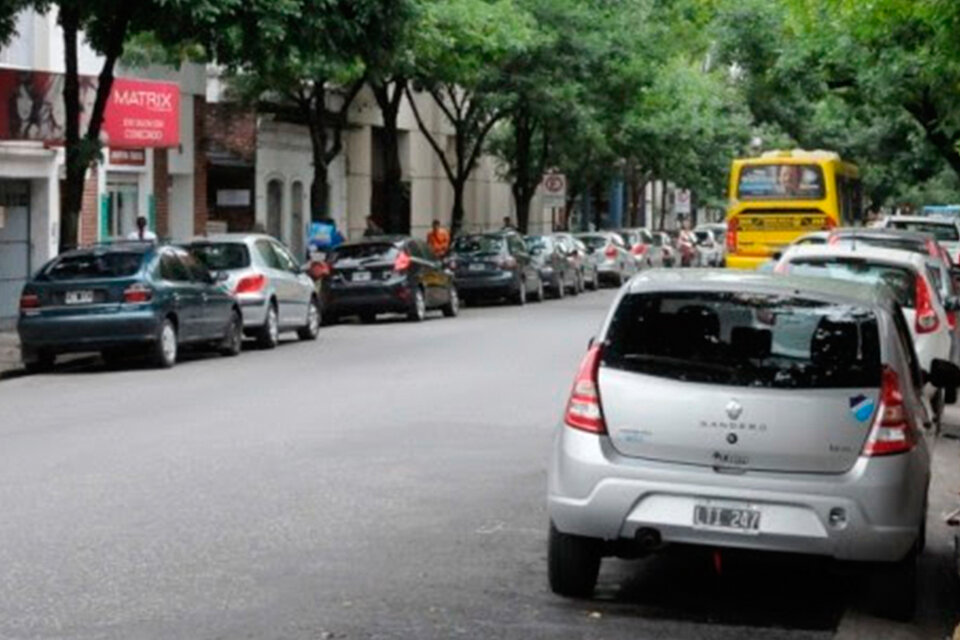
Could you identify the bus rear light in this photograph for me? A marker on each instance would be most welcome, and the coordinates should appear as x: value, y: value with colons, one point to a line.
x: 733, y: 230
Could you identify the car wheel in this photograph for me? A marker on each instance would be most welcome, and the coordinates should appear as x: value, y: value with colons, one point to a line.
x: 573, y: 563
x: 520, y: 297
x: 164, y: 349
x: 232, y: 342
x: 113, y: 356
x: 268, y: 336
x: 894, y: 589
x: 41, y: 362
x: 368, y: 318
x: 418, y: 312
x: 452, y: 308
x: 311, y: 330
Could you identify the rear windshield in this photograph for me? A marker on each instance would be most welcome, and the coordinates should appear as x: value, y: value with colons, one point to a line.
x: 903, y: 244
x: 538, y: 245
x: 781, y: 181
x: 901, y: 280
x: 704, y: 236
x: 745, y: 339
x: 115, y: 264
x: 594, y: 242
x: 810, y: 240
x: 478, y: 244
x: 374, y: 251
x: 222, y: 256
x: 944, y: 232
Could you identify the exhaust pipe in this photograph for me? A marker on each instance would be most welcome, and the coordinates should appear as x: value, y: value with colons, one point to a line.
x: 648, y: 538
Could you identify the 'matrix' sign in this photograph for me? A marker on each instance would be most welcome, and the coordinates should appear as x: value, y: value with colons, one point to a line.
x: 139, y: 113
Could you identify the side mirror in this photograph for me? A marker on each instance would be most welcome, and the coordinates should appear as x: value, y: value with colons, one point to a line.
x: 944, y: 374
x: 951, y: 303
x: 777, y: 255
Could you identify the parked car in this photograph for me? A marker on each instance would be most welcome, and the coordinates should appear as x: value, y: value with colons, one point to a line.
x: 389, y: 274
x: 495, y: 265
x: 719, y: 231
x: 910, y: 276
x: 640, y: 244
x: 274, y: 291
x: 609, y: 253
x: 668, y: 253
x: 125, y: 299
x: 756, y: 412
x: 558, y: 271
x: 945, y: 230
x: 709, y: 252
x: 578, y: 253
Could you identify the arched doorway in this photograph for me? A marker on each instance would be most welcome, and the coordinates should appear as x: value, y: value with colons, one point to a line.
x: 275, y: 208
x: 297, y: 228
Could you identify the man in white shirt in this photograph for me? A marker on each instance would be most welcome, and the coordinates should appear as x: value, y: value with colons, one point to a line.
x: 142, y: 233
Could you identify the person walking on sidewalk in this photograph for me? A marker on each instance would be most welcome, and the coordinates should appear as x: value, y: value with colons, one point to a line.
x: 142, y: 233
x: 439, y: 240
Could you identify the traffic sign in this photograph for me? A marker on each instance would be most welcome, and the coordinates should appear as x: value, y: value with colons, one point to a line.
x: 681, y: 201
x: 554, y: 190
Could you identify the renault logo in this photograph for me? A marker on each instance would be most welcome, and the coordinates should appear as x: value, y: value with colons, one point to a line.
x: 734, y: 409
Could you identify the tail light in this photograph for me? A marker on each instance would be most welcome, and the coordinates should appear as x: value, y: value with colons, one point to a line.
x: 402, y: 262
x: 733, y: 229
x: 508, y: 263
x: 610, y: 251
x: 319, y: 270
x: 952, y: 319
x: 136, y: 293
x: 451, y: 264
x: 891, y: 432
x: 639, y: 250
x: 29, y: 301
x: 583, y: 408
x: 829, y: 224
x: 927, y: 319
x: 251, y: 284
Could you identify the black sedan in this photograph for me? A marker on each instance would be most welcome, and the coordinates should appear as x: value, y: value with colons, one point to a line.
x: 495, y: 265
x: 390, y: 274
x: 122, y: 299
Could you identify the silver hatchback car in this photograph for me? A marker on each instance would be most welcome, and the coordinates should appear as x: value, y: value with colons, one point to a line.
x: 274, y: 293
x: 746, y: 411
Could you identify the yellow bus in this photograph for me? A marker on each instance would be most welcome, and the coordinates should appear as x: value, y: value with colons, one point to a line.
x: 782, y: 195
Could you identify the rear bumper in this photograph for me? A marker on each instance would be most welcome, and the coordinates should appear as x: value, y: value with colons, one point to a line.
x: 499, y: 284
x: 370, y: 298
x: 745, y: 262
x: 595, y: 492
x: 87, y: 332
x: 254, y: 310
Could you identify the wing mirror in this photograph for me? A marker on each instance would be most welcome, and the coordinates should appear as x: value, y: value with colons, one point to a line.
x: 944, y: 375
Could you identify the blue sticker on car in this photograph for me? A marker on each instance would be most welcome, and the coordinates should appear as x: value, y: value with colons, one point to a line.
x: 861, y: 407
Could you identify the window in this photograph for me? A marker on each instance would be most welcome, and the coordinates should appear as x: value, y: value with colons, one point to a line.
x: 267, y: 255
x: 171, y: 269
x: 478, y: 244
x: 286, y: 261
x: 197, y: 271
x: 944, y: 232
x: 516, y: 245
x: 746, y: 340
x: 75, y: 266
x: 539, y: 245
x: 781, y: 182
x: 366, y: 252
x: 221, y: 256
x: 901, y: 280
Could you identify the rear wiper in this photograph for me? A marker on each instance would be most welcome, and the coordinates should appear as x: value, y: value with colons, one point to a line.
x: 681, y: 363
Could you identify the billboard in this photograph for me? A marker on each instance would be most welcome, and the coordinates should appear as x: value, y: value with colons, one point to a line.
x: 139, y: 113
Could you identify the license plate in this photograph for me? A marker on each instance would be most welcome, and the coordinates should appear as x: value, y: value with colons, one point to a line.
x: 361, y: 276
x: 78, y: 297
x: 478, y: 266
x: 737, y: 519
x: 781, y: 223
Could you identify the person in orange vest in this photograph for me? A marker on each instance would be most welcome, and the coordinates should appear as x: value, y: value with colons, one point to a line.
x: 439, y: 240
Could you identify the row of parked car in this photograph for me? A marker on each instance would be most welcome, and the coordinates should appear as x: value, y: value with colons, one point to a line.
x: 154, y: 299
x: 792, y: 411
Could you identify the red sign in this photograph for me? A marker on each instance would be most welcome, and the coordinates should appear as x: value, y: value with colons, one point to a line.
x: 139, y: 113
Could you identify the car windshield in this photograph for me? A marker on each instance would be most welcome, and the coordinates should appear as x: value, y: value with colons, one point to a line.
x: 538, y: 245
x: 703, y: 236
x: 366, y: 252
x: 594, y: 242
x: 810, y: 240
x: 745, y: 339
x: 76, y: 266
x: 887, y: 242
x: 478, y: 244
x: 222, y: 256
x: 902, y: 280
x: 944, y: 232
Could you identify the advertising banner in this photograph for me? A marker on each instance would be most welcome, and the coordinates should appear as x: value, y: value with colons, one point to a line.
x: 139, y: 113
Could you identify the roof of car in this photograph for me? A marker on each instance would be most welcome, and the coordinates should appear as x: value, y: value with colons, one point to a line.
x: 727, y: 280
x: 384, y: 239
x: 926, y: 219
x: 870, y: 252
x: 235, y: 236
x: 139, y: 246
x: 883, y: 232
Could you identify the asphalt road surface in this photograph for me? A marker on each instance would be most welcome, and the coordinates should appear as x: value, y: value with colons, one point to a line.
x: 387, y: 481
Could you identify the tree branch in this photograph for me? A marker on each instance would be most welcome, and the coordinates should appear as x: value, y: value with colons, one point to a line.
x: 430, y: 139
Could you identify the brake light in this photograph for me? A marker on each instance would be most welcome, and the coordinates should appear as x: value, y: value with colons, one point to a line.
x: 136, y: 293
x: 251, y: 284
x: 927, y: 319
x: 733, y: 229
x: 610, y: 251
x: 952, y: 319
x: 402, y: 261
x: 508, y: 263
x: 639, y: 249
x: 583, y: 408
x: 29, y: 301
x: 891, y: 432
x: 829, y: 224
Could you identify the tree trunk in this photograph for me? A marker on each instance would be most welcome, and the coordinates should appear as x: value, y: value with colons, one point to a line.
x: 76, y: 169
x: 663, y: 204
x: 457, y: 213
x: 318, y: 188
x: 522, y: 194
x: 642, y: 210
x: 395, y: 205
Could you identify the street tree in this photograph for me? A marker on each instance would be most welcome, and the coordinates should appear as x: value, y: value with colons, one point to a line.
x: 461, y: 51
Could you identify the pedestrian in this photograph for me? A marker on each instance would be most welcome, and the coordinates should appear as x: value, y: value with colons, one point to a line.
x: 373, y: 229
x: 439, y: 240
x: 142, y: 233
x: 324, y: 236
x: 508, y: 224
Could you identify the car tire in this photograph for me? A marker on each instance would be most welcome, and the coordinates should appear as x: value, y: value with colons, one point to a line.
x: 311, y: 330
x: 368, y: 318
x: 520, y: 297
x: 573, y: 564
x: 112, y: 356
x: 232, y: 343
x: 164, y: 350
x: 452, y: 308
x: 41, y: 362
x: 418, y: 310
x: 894, y: 589
x: 268, y: 336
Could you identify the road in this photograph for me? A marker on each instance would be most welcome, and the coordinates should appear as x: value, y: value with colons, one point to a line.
x: 387, y: 481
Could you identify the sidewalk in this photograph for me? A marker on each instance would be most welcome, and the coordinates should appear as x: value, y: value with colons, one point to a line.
x: 9, y: 352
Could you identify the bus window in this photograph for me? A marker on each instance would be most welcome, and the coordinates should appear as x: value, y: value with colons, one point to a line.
x: 781, y: 181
